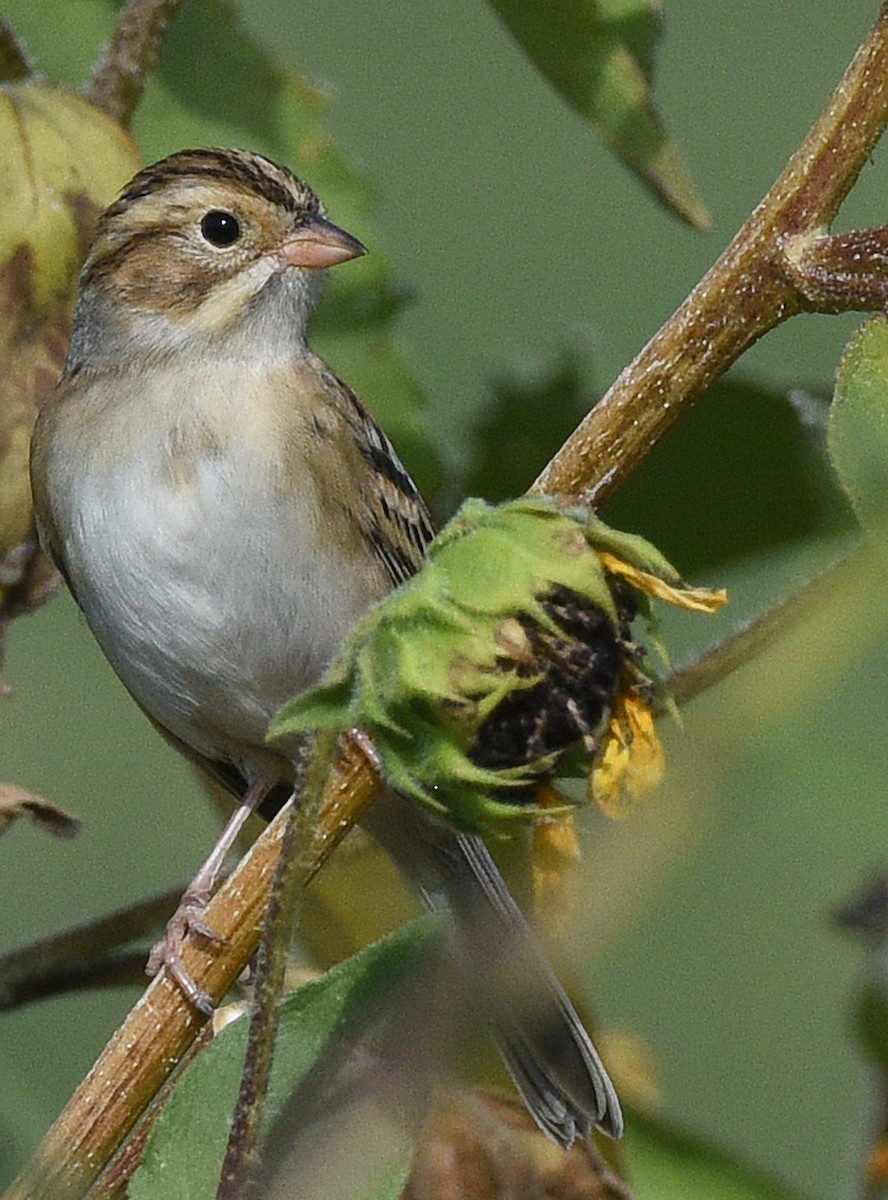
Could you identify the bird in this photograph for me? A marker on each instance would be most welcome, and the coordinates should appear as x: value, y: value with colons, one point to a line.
x: 224, y: 509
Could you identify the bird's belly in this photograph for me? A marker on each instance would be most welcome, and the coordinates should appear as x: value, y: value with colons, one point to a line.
x: 214, y: 604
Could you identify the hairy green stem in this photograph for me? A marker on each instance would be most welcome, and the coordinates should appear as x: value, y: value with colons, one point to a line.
x: 291, y: 875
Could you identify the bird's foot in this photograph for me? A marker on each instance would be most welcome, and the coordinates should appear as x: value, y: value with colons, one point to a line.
x: 187, y: 920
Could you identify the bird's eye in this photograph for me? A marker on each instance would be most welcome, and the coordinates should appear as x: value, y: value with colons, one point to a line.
x: 220, y: 228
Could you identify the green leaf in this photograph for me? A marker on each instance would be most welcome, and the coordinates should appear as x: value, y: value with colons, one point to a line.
x: 184, y: 1153
x: 598, y: 55
x: 666, y: 1164
x: 858, y: 427
x: 640, y: 25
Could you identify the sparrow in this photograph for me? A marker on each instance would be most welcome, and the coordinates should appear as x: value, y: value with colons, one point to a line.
x: 224, y: 510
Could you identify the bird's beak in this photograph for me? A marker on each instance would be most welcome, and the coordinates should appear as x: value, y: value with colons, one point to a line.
x: 318, y: 243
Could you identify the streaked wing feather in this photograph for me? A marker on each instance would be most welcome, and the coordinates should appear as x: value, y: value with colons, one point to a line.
x: 395, y: 517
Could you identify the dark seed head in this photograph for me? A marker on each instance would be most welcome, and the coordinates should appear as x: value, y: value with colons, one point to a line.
x: 581, y: 668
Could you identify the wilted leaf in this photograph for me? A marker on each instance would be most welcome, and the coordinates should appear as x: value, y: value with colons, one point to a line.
x: 588, y: 49
x: 18, y: 802
x: 63, y: 162
x: 858, y: 427
x: 184, y: 1154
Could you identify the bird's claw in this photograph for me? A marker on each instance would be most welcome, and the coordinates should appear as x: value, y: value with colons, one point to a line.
x: 167, y: 952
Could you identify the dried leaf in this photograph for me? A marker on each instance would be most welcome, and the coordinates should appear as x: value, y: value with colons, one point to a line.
x: 63, y: 162
x: 485, y: 1146
x: 18, y: 802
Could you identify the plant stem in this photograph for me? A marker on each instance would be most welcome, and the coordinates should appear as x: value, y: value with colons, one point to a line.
x: 120, y: 75
x: 754, y: 286
x: 86, y: 956
x: 758, y: 635
x: 294, y: 868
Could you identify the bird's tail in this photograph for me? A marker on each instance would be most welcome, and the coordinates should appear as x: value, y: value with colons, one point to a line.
x: 548, y: 1052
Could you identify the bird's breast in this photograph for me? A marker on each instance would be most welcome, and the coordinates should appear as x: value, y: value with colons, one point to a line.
x: 206, y: 575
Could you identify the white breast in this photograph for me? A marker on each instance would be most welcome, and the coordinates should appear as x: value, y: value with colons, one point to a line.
x: 211, y: 591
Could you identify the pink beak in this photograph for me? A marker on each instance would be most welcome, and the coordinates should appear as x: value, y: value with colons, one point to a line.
x: 318, y: 243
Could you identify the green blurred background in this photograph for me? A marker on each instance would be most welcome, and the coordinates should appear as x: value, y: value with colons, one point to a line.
x: 536, y: 267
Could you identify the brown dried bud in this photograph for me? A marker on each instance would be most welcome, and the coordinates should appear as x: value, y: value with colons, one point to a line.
x: 485, y: 1146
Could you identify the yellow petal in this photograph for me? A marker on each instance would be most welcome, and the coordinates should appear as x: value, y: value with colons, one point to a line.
x: 706, y: 600
x: 631, y: 763
x: 606, y: 778
x: 647, y: 763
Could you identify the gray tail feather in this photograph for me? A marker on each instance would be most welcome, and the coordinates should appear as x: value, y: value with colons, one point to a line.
x: 548, y: 1052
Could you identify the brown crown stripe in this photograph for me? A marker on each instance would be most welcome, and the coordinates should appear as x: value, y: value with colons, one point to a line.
x: 259, y: 176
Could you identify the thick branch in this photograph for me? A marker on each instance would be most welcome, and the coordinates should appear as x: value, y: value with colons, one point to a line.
x: 749, y: 290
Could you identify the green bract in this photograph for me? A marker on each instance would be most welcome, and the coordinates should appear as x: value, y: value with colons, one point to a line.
x: 427, y: 667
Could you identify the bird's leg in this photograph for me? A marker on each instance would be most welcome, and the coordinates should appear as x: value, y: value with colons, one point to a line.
x: 187, y: 917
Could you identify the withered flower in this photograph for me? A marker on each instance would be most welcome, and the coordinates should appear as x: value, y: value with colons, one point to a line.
x: 507, y: 658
